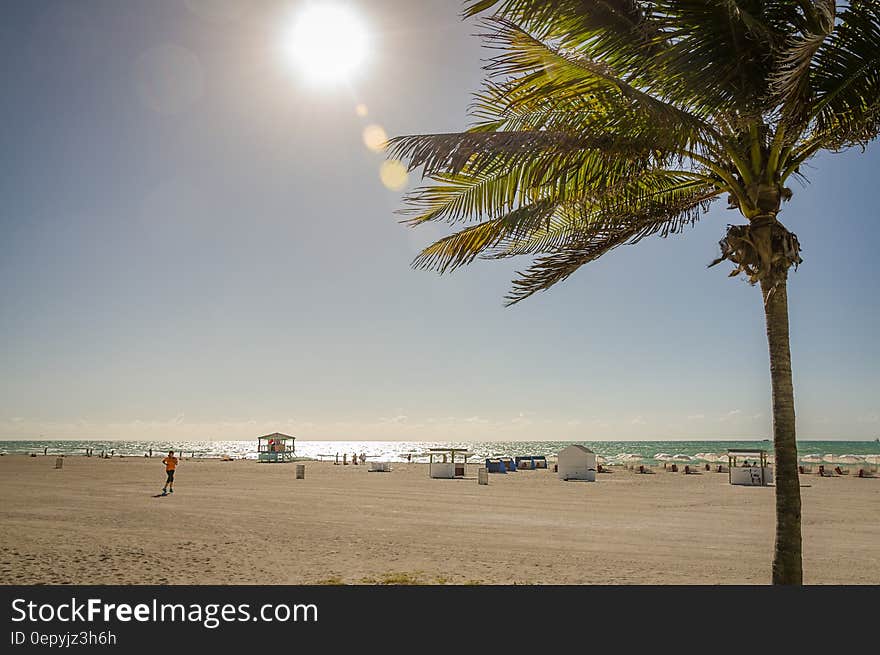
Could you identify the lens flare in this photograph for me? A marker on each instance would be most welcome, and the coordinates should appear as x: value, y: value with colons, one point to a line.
x: 393, y: 175
x: 375, y: 137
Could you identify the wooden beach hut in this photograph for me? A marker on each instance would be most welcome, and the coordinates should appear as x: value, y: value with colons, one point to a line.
x: 758, y: 472
x: 276, y: 447
x: 442, y: 462
x: 576, y: 462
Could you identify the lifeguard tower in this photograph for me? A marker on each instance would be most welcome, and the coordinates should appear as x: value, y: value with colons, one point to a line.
x: 276, y: 447
x: 757, y: 474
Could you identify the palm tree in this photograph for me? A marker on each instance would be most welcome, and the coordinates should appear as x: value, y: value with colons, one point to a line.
x: 602, y: 122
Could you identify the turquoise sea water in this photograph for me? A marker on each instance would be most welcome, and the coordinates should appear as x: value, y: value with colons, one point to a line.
x: 396, y: 451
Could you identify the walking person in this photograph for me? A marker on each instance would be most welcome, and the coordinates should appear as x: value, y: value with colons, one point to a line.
x: 170, y: 463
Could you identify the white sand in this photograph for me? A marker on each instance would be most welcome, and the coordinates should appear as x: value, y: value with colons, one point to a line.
x: 96, y: 522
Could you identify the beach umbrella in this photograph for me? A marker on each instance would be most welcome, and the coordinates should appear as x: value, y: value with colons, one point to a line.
x: 812, y: 459
x: 662, y: 457
x: 830, y: 458
x: 681, y: 457
x: 850, y: 459
x: 872, y: 459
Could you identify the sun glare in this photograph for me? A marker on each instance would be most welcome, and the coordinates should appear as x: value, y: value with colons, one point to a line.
x: 327, y: 42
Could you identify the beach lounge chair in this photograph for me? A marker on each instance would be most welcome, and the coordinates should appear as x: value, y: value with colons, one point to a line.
x: 840, y: 471
x: 824, y: 473
x: 673, y: 468
x: 644, y: 469
x: 865, y: 473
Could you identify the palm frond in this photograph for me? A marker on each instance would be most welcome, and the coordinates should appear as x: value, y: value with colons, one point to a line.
x: 643, y: 193
x: 453, y: 153
x: 531, y: 68
x: 609, y: 230
x: 845, y: 80
x: 463, y: 247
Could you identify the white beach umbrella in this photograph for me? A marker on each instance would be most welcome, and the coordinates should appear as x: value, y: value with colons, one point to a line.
x: 681, y: 457
x: 872, y: 459
x: 850, y: 459
x: 662, y: 457
x: 812, y: 459
x: 830, y: 458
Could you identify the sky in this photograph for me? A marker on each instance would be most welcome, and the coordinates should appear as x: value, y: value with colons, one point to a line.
x: 195, y: 242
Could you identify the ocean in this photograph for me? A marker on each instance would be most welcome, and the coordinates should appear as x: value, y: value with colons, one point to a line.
x: 397, y: 451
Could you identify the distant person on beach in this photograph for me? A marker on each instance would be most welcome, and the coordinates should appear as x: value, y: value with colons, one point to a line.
x: 170, y: 463
x: 45, y: 449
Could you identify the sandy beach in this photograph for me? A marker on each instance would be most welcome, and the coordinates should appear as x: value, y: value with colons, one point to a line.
x: 96, y: 521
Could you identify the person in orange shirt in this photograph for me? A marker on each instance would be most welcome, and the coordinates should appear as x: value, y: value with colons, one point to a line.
x: 170, y: 463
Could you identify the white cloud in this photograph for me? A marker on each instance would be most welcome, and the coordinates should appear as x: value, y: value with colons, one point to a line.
x: 400, y: 418
x: 522, y: 419
x: 731, y: 414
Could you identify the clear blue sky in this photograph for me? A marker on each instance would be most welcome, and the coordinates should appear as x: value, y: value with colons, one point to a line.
x: 195, y: 243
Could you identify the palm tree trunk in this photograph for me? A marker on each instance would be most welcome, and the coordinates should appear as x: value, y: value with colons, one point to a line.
x: 787, y: 567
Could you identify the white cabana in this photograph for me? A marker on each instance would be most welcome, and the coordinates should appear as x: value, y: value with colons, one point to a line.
x: 442, y: 462
x: 758, y: 473
x: 576, y: 463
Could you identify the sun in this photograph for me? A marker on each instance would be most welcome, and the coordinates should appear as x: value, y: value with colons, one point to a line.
x: 327, y: 43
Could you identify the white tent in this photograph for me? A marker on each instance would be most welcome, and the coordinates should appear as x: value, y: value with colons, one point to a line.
x: 576, y: 463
